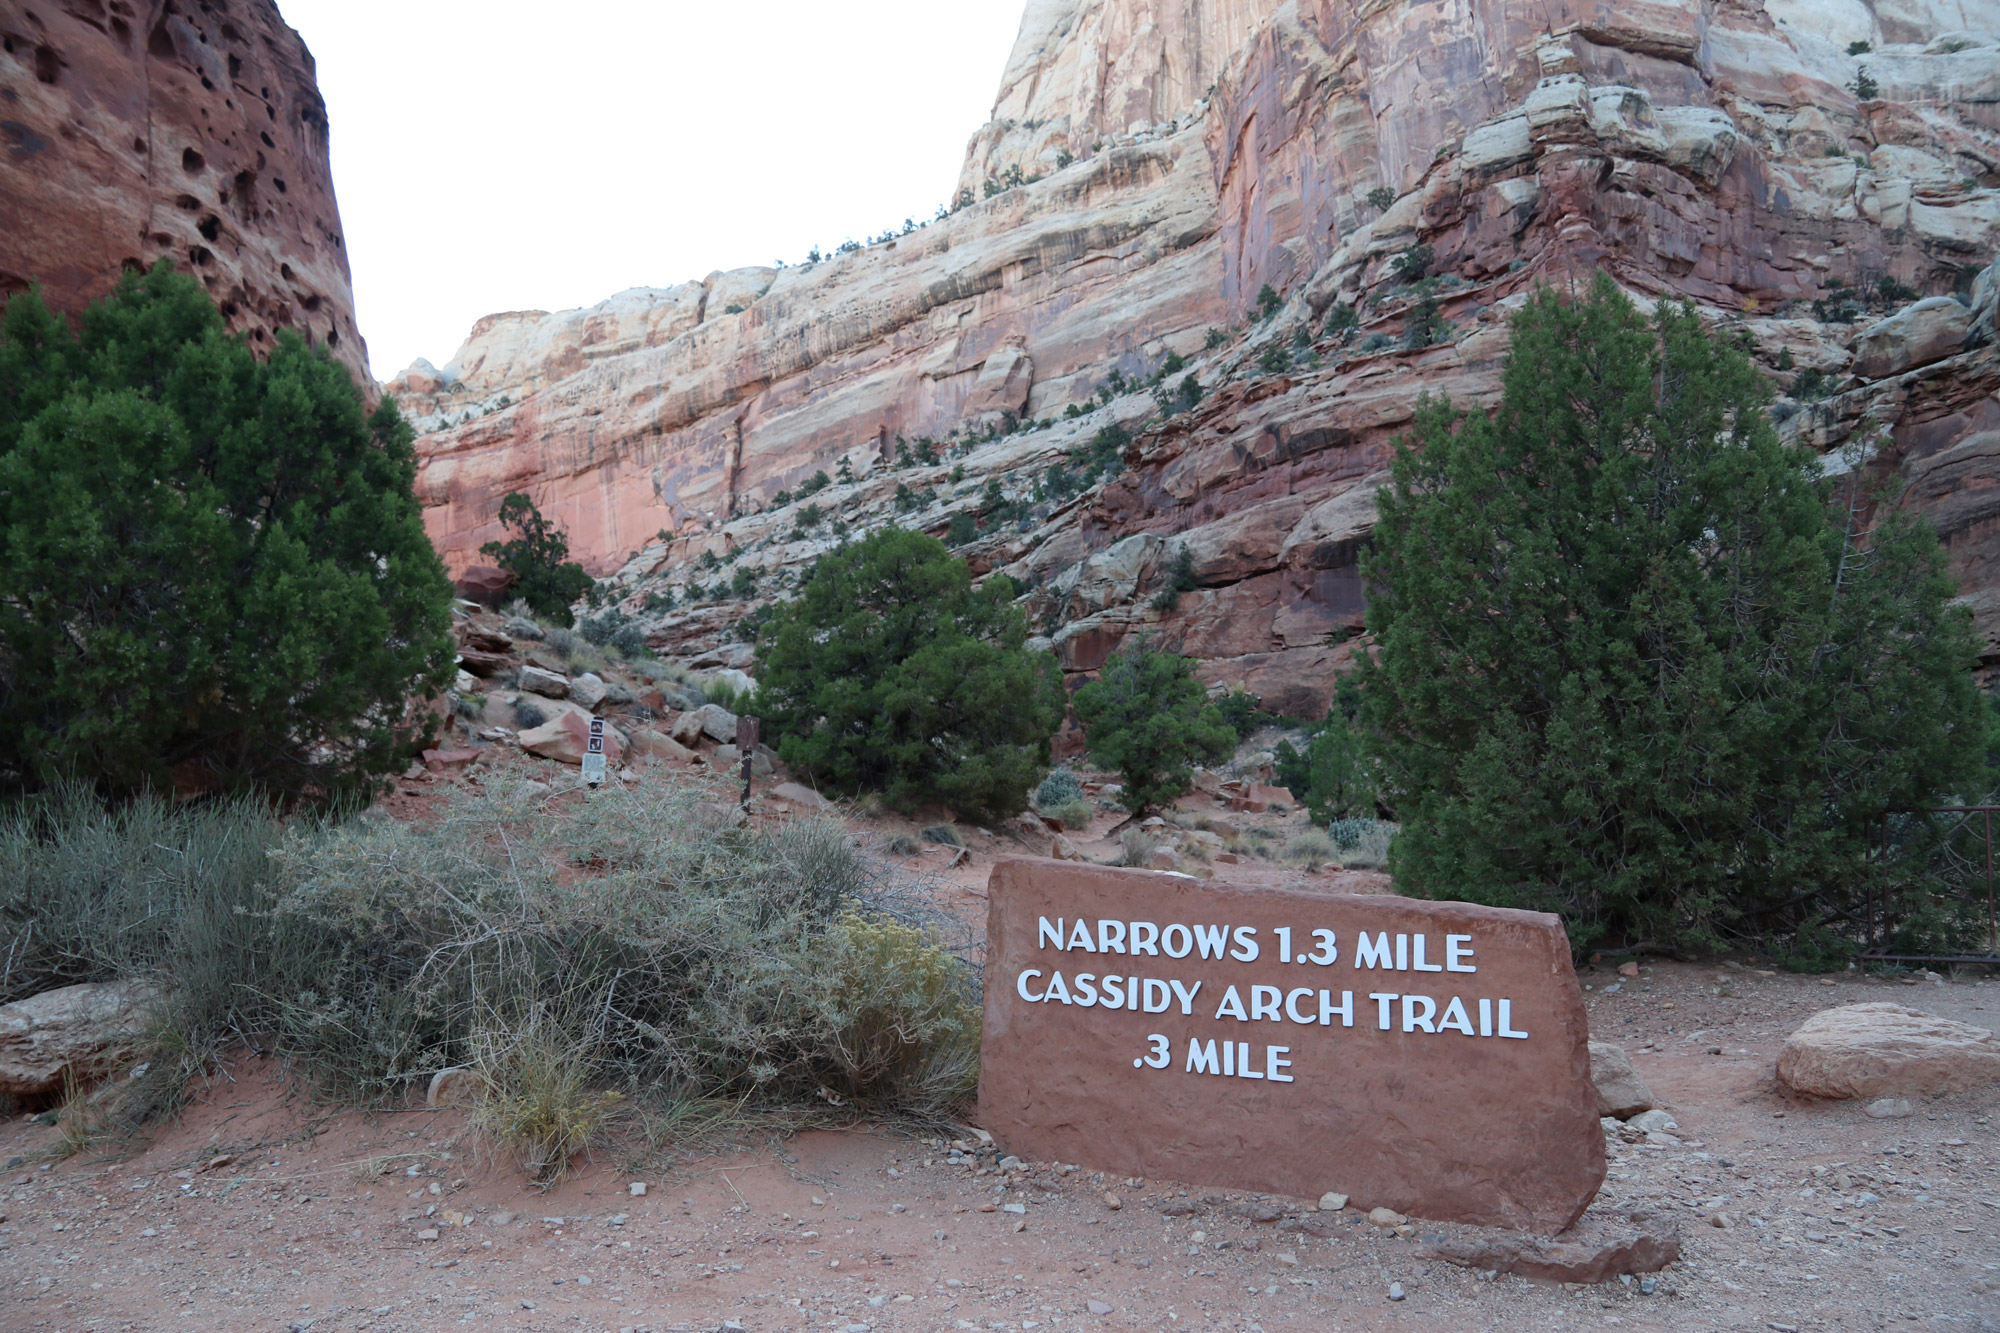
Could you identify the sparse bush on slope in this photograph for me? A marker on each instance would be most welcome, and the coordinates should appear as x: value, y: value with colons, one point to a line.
x: 660, y: 950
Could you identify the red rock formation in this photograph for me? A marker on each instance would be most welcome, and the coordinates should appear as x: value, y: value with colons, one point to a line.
x: 1717, y: 153
x: 191, y: 129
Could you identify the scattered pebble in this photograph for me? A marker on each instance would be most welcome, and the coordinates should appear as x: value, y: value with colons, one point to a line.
x: 1395, y: 1291
x: 637, y: 1189
x: 1100, y: 1308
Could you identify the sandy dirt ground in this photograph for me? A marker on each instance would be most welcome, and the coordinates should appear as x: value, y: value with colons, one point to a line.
x: 401, y: 1221
x: 261, y: 1209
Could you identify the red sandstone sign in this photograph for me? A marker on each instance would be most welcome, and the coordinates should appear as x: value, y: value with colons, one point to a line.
x: 1428, y: 1057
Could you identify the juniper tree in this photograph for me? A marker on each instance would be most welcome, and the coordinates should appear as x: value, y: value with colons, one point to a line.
x: 1149, y: 718
x: 1639, y: 662
x: 892, y: 673
x: 213, y: 571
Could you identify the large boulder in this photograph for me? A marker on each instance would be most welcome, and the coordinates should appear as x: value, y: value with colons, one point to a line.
x: 649, y: 744
x: 536, y: 680
x: 1875, y: 1050
x: 1620, y: 1090
x: 566, y: 739
x: 1918, y: 334
x: 484, y: 584
x: 87, y: 1029
x: 710, y: 720
x: 588, y: 689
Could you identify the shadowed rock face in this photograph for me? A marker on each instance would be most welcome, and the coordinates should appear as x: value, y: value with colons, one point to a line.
x: 136, y: 129
x: 1713, y: 153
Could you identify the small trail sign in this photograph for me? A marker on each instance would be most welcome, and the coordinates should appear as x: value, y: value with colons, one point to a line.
x: 593, y: 758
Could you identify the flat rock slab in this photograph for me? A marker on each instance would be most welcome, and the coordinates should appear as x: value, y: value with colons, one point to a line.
x: 1603, y: 1244
x: 88, y: 1029
x: 1256, y: 1038
x: 1882, y: 1050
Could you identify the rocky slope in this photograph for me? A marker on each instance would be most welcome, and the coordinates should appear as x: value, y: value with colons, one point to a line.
x: 1150, y: 170
x: 191, y: 129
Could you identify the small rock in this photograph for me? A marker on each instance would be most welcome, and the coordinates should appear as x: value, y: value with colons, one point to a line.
x: 1012, y: 1163
x: 1620, y: 1090
x: 1020, y: 1225
x: 1628, y: 969
x: 1113, y: 1202
x: 1395, y: 1291
x: 428, y: 1233
x: 502, y: 1219
x: 1013, y: 1207
x: 1099, y: 1307
x: 1288, y: 1259
x: 1889, y: 1108
x: 1332, y: 1202
x: 1654, y: 1122
x: 637, y: 1189
x: 1386, y: 1217
x: 455, y: 1084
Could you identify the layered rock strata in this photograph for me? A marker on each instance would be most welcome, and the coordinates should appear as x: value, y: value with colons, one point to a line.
x: 132, y: 130
x: 1241, y: 193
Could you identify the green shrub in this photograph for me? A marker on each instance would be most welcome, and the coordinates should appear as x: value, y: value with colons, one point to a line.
x: 1242, y: 711
x: 1575, y: 707
x: 1180, y: 578
x: 1859, y: 48
x: 1274, y: 360
x: 1414, y: 264
x: 212, y: 568
x: 1060, y: 787
x: 1268, y: 301
x: 1149, y: 718
x: 1381, y: 197
x: 1213, y: 339
x: 1865, y: 88
x: 963, y: 531
x: 890, y: 672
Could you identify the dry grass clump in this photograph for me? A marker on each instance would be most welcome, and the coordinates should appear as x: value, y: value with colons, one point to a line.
x: 1363, y: 843
x: 944, y: 835
x: 1138, y: 844
x: 1310, y: 848
x: 569, y: 946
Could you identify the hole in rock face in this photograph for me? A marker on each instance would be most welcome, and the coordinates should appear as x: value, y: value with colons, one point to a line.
x: 246, y: 193
x: 210, y: 227
x: 235, y: 66
x: 311, y: 303
x: 122, y: 31
x: 206, y: 84
x: 265, y: 135
x: 228, y: 309
x: 187, y: 203
x: 285, y: 272
x: 47, y: 64
x: 139, y: 146
x: 200, y: 256
x: 160, y: 42
x: 131, y: 263
x: 230, y: 34
x: 333, y: 337
x: 279, y: 182
x: 7, y: 45
x: 193, y: 163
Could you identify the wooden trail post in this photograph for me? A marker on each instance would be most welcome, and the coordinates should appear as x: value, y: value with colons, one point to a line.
x: 746, y: 741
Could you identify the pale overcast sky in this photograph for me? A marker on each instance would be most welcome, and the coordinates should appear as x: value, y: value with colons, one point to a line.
x: 501, y: 155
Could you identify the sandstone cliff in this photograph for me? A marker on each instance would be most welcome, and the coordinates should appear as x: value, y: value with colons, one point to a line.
x: 192, y: 129
x: 1150, y: 169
